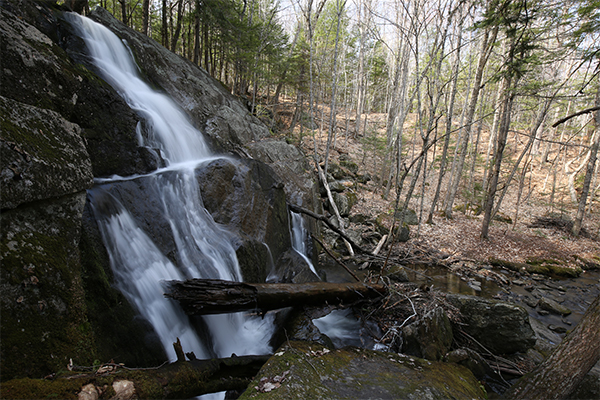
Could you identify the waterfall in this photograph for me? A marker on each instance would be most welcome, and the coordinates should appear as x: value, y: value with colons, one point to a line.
x: 204, y: 248
x: 299, y: 237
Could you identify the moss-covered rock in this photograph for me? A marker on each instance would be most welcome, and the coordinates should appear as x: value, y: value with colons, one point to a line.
x: 302, y: 370
x: 41, y: 155
x: 44, y: 316
x: 430, y: 337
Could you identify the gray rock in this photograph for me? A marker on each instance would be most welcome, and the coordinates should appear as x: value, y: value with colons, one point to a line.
x: 41, y: 292
x: 430, y: 337
x: 41, y: 155
x: 501, y: 327
x: 410, y: 217
x: 398, y: 274
x: 552, y: 306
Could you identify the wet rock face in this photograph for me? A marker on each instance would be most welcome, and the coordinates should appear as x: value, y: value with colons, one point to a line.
x: 247, y: 196
x: 430, y: 337
x: 216, y: 112
x: 38, y: 72
x: 501, y: 327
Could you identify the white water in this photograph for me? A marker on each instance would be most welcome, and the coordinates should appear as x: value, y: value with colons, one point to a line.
x: 299, y: 237
x: 204, y: 249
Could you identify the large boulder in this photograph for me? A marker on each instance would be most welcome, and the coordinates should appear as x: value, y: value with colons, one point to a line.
x: 213, y: 109
x: 247, y: 196
x: 501, y: 327
x: 302, y: 370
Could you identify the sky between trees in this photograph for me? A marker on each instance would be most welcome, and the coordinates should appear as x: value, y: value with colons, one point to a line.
x: 522, y: 72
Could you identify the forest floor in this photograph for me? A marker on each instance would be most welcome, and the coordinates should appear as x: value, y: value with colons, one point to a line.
x: 537, y: 226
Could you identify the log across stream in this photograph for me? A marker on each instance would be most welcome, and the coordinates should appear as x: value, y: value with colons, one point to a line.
x: 214, y: 296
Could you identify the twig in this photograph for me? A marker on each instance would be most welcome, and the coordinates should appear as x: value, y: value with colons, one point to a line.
x: 336, y: 260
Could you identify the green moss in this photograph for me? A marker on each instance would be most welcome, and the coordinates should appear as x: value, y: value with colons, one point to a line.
x: 40, y: 389
x: 314, y: 373
x: 551, y: 266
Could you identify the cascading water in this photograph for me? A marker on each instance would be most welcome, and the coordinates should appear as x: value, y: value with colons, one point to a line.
x: 299, y: 236
x: 204, y: 249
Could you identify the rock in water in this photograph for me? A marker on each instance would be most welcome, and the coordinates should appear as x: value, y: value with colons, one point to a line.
x: 430, y: 337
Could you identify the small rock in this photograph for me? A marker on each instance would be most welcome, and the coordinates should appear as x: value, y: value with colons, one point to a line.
x: 543, y: 312
x: 557, y: 329
x: 88, y: 392
x: 531, y: 302
x: 529, y: 288
x: 518, y: 282
x: 553, y: 307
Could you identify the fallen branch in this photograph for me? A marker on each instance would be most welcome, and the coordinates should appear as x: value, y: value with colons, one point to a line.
x: 324, y: 219
x: 578, y: 113
x: 180, y: 380
x: 334, y: 258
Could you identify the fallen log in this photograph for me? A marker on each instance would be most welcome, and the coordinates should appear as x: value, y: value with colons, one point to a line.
x: 213, y: 296
x: 179, y: 380
x: 565, y: 368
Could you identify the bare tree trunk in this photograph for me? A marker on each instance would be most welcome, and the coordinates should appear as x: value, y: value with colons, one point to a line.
x: 196, y: 58
x: 165, y: 25
x: 589, y: 171
x: 444, y: 160
x: 486, y: 45
x: 145, y: 16
x: 532, y: 136
x: 563, y: 371
x: 504, y: 126
x: 214, y: 296
x: 177, y: 32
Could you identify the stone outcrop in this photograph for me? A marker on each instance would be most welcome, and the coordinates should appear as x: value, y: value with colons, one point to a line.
x: 38, y: 72
x: 430, y: 337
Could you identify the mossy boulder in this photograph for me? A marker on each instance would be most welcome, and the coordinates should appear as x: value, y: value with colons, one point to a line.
x: 248, y: 197
x: 430, y: 337
x: 41, y: 155
x: 500, y: 326
x: 303, y: 370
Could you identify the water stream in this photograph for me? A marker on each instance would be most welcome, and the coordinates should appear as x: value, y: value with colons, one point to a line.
x: 204, y: 248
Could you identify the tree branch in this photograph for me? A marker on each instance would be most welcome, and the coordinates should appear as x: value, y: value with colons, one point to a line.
x: 578, y: 113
